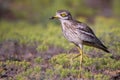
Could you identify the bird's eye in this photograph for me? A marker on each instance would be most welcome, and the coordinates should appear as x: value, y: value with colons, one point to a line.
x: 63, y: 14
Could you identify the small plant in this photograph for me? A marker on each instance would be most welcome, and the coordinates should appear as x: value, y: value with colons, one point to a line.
x: 59, y: 66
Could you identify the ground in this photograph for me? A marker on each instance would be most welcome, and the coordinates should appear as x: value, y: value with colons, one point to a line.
x: 44, y: 54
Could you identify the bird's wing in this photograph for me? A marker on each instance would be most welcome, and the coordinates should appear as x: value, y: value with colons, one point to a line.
x: 86, y: 33
x: 84, y: 27
x: 88, y: 37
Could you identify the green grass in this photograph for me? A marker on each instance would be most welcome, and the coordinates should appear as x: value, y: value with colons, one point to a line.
x: 107, y: 29
x: 62, y: 65
x: 27, y: 33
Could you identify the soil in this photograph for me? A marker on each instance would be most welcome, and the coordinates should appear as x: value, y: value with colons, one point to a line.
x: 14, y: 51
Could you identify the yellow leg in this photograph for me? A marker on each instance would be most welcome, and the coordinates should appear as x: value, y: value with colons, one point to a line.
x: 81, y: 58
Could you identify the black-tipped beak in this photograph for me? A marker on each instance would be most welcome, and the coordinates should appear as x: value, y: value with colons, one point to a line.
x: 54, y: 17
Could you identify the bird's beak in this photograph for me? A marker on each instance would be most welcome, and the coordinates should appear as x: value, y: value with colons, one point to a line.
x: 54, y: 17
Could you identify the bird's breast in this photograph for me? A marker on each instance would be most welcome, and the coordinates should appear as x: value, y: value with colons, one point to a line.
x: 70, y: 32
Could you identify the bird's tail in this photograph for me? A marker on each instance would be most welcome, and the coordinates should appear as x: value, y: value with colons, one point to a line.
x: 104, y: 48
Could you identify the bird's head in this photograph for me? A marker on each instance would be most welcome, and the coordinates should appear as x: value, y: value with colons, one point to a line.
x: 62, y: 15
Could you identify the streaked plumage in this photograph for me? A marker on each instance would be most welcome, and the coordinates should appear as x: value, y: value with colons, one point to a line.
x: 78, y: 33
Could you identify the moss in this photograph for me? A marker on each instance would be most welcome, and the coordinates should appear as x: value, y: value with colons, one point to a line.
x: 38, y: 60
x: 31, y: 73
x: 63, y: 67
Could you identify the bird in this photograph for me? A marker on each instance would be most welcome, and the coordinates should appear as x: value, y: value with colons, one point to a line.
x: 78, y: 33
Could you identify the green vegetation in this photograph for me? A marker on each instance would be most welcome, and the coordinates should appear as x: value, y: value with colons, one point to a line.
x: 29, y: 74
x: 63, y: 67
x: 94, y: 66
x: 39, y: 10
x: 32, y: 47
x: 26, y: 33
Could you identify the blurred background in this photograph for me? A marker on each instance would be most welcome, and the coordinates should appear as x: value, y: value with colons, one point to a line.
x: 32, y: 47
x: 38, y: 11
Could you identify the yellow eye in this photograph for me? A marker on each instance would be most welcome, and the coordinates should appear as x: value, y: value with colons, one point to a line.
x: 63, y: 14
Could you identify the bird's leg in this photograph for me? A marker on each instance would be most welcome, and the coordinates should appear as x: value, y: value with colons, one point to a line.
x: 80, y: 51
x: 81, y: 58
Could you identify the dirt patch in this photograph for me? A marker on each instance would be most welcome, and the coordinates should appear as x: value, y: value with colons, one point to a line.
x: 16, y: 51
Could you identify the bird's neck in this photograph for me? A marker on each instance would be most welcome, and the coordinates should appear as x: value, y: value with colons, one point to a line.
x: 64, y: 22
x: 66, y: 19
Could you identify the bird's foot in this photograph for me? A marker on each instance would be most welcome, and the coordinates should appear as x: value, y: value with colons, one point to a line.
x: 84, y: 55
